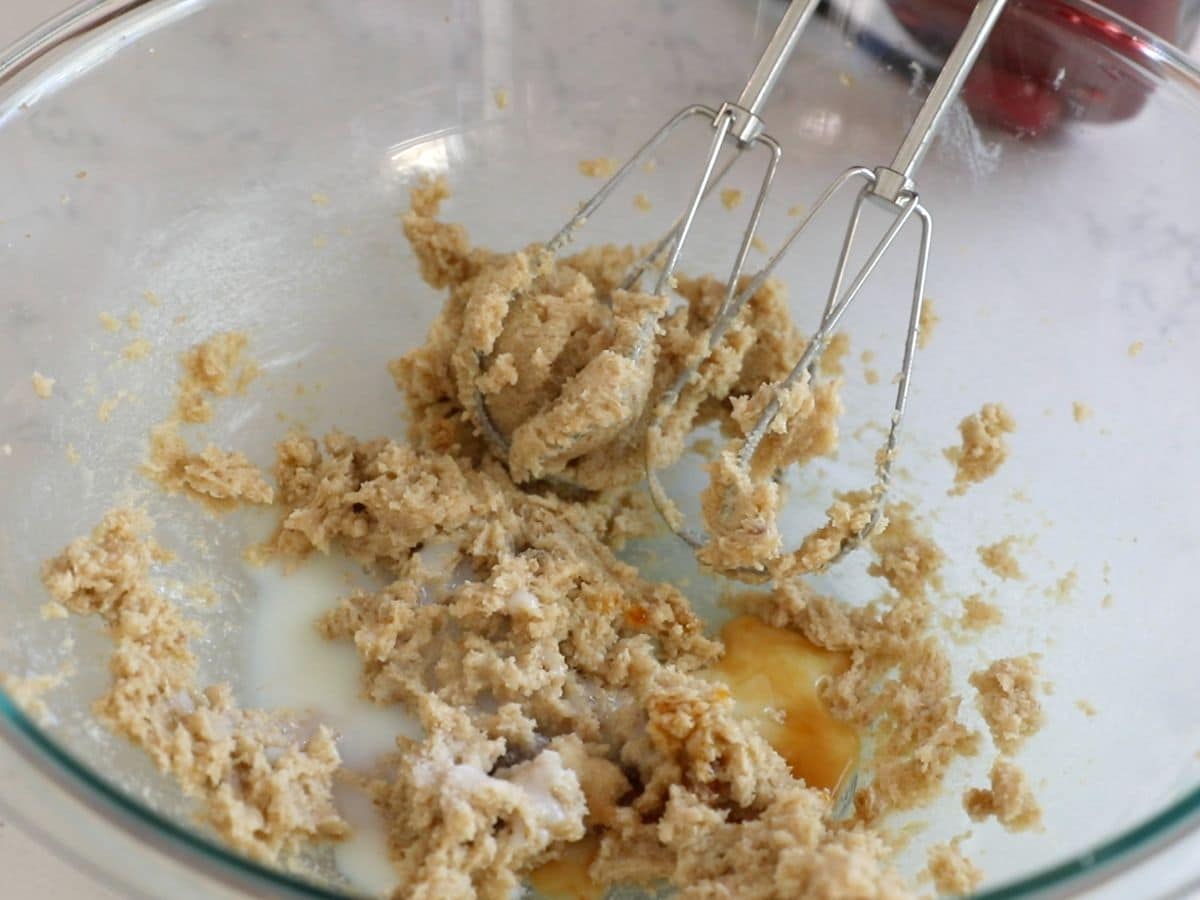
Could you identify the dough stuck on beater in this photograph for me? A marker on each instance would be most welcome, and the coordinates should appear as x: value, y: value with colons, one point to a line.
x: 573, y: 377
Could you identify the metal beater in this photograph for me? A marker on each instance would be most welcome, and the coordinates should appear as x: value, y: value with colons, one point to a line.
x: 738, y: 124
x: 893, y: 188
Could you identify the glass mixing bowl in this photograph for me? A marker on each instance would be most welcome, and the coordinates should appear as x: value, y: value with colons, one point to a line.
x: 245, y: 161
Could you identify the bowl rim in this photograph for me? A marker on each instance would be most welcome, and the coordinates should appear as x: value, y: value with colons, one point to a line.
x: 1102, y: 862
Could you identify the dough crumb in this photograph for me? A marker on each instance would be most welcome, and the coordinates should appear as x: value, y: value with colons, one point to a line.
x: 1008, y: 797
x: 951, y: 871
x: 978, y: 614
x: 1007, y: 698
x: 1136, y: 348
x: 871, y: 376
x: 983, y: 446
x: 216, y: 477
x: 600, y: 167
x: 203, y: 593
x: 1000, y: 559
x: 642, y: 202
x: 501, y: 97
x: 796, y: 211
x: 43, y: 386
x: 741, y: 503
x: 27, y: 691
x: 759, y: 244
x: 835, y: 351
x: 1064, y: 588
x: 137, y: 350
x: 927, y: 323
x: 109, y: 405
x: 152, y: 298
x: 109, y: 322
x: 53, y: 610
x: 731, y: 198
x: 1085, y: 707
x: 215, y: 367
x: 134, y: 320
x: 1081, y: 411
x: 907, y: 559
x: 320, y: 199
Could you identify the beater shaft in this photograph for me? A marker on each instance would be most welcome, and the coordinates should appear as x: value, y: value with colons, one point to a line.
x: 945, y: 90
x: 893, y: 187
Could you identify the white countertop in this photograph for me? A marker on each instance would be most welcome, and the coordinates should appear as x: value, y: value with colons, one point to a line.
x: 30, y: 870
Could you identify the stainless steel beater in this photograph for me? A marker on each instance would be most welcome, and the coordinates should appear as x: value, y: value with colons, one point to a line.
x: 892, y: 187
x: 738, y: 124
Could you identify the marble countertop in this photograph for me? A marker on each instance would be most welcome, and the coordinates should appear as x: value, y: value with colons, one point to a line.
x: 30, y: 869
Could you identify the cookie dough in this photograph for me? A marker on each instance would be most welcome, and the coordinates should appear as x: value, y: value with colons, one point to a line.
x: 1008, y: 797
x: 983, y: 449
x: 215, y: 367
x: 951, y: 871
x: 909, y: 561
x: 999, y: 557
x: 267, y: 792
x: 1008, y: 699
x: 978, y: 614
x: 570, y: 367
x: 556, y: 655
x: 600, y: 167
x: 43, y: 385
x: 216, y: 477
x: 570, y: 707
x: 27, y: 691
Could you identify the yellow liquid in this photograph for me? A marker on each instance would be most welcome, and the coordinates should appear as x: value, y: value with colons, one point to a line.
x: 566, y: 878
x: 772, y: 674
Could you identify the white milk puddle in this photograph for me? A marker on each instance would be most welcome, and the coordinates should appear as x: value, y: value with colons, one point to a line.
x: 293, y: 668
x: 363, y: 857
